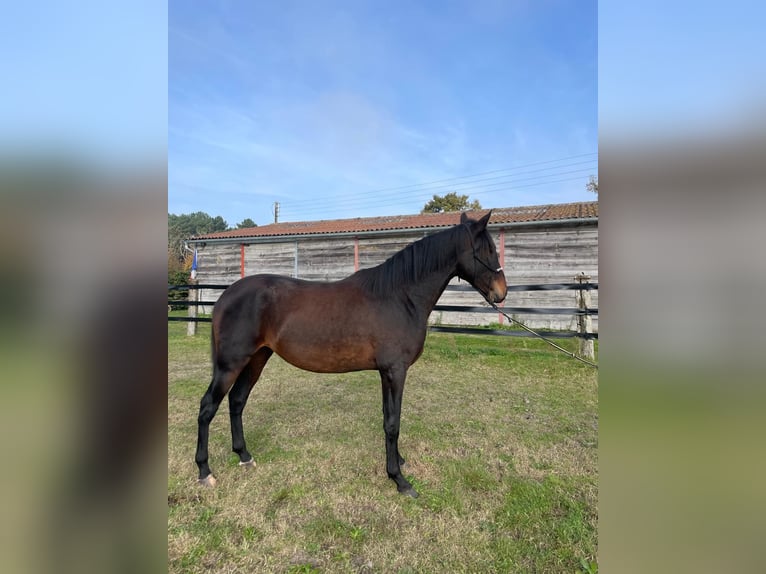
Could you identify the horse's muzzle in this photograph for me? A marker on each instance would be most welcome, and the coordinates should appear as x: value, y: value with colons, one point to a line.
x: 495, y: 297
x: 497, y: 290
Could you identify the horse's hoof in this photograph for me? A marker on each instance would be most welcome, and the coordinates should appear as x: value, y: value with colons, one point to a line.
x: 410, y: 492
x: 209, y: 481
x: 248, y: 463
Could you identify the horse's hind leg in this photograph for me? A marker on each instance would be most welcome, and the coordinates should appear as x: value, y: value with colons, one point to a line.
x: 238, y: 398
x: 223, y: 379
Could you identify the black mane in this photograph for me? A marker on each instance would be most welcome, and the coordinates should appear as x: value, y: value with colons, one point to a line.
x: 411, y: 264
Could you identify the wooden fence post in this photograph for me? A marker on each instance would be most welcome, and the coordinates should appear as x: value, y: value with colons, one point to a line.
x: 191, y: 311
x: 584, y: 322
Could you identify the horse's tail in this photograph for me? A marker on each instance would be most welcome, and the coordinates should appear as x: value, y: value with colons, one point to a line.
x: 213, y: 342
x: 212, y: 345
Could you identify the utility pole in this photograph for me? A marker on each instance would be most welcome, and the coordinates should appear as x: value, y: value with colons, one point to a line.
x: 276, y: 212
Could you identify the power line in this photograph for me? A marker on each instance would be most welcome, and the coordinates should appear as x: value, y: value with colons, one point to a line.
x: 419, y: 192
x: 485, y: 172
x: 377, y: 192
x: 474, y: 190
x: 462, y: 186
x: 311, y: 212
x: 426, y: 194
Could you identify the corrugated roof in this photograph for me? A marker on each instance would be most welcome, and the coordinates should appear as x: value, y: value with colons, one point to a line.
x: 500, y: 215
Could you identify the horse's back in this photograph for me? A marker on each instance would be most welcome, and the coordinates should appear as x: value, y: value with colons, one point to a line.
x: 263, y: 290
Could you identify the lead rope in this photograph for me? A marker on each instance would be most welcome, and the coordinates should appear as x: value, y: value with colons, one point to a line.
x: 523, y: 326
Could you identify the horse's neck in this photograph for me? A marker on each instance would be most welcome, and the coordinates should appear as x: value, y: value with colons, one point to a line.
x: 426, y: 292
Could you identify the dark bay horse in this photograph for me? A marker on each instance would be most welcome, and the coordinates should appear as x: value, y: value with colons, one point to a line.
x: 375, y: 319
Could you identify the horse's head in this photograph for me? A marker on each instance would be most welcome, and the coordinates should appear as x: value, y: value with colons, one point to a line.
x: 478, y: 261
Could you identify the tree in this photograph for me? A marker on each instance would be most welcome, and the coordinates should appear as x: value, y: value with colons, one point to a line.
x: 182, y: 226
x: 245, y: 223
x: 592, y: 184
x: 450, y: 202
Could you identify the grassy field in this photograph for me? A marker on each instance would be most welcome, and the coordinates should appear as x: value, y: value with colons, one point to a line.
x: 500, y: 437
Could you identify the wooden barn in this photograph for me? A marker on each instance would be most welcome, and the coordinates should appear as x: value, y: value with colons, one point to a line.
x: 537, y: 244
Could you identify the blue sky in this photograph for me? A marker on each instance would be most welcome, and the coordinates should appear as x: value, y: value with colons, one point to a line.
x: 352, y: 109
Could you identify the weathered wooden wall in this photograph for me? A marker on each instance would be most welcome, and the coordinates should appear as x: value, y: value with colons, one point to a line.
x: 550, y: 255
x: 217, y: 264
x: 325, y: 259
x: 532, y: 255
x: 375, y: 250
x: 277, y: 258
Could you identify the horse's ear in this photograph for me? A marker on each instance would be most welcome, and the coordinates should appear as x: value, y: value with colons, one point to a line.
x: 481, y: 225
x: 463, y: 218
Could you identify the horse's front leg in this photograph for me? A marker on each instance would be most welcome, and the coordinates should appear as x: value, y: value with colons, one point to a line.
x: 393, y: 388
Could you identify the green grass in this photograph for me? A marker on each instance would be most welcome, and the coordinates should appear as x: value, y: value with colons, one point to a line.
x: 500, y: 436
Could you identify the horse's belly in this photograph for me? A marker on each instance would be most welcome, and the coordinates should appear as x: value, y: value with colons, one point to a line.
x: 325, y: 350
x: 327, y: 359
x: 328, y: 335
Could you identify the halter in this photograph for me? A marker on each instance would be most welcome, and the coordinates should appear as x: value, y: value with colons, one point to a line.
x: 476, y: 257
x: 498, y: 270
